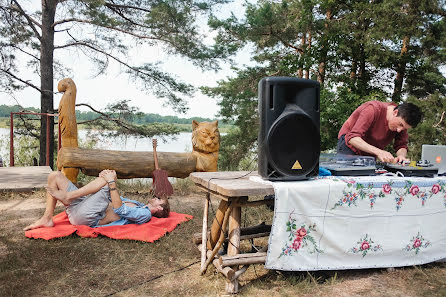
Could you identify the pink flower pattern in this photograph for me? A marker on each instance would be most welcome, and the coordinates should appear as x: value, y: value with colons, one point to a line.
x: 414, y: 190
x: 355, y: 192
x: 387, y: 189
x: 299, y: 238
x: 436, y: 188
x: 365, y: 245
x: 417, y: 243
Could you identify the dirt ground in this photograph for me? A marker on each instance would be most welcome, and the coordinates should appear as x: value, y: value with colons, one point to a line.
x: 75, y: 266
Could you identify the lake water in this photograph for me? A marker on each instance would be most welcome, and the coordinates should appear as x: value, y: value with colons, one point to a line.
x: 180, y: 143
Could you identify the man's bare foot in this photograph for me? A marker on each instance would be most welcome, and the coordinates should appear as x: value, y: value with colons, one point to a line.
x: 42, y: 222
x: 59, y: 195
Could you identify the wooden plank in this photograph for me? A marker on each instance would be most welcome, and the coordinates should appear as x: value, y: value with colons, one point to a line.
x: 23, y: 178
x: 231, y: 183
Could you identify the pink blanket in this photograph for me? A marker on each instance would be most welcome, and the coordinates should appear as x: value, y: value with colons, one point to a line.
x: 151, y: 231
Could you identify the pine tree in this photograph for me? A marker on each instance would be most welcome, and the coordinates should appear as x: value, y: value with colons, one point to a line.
x: 103, y: 31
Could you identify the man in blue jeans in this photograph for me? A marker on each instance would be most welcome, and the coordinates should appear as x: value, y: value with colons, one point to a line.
x: 96, y: 204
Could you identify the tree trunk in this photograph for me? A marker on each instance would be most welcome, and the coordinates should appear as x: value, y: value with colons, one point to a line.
x: 46, y: 80
x: 324, y: 49
x: 127, y: 164
x: 300, y: 73
x: 400, y: 70
x: 307, y: 69
x: 353, y: 70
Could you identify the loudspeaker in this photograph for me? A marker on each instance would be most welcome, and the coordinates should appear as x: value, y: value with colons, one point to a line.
x: 289, y: 136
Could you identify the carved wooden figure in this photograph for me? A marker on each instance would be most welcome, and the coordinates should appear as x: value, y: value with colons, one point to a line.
x: 68, y: 125
x: 205, y: 145
x: 204, y: 156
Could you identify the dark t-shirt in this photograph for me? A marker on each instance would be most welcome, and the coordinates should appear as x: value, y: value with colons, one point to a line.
x: 369, y: 121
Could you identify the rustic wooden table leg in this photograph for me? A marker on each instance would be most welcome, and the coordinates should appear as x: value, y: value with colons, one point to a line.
x: 205, y: 231
x: 234, y: 244
x: 217, y: 223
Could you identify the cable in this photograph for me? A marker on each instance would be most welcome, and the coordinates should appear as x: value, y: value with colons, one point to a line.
x: 153, y: 278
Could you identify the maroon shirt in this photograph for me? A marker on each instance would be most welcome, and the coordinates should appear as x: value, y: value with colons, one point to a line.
x: 369, y: 121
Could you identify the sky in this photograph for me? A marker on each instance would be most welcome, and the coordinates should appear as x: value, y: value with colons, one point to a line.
x: 115, y: 85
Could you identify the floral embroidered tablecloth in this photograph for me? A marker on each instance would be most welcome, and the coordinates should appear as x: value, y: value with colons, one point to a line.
x: 357, y: 222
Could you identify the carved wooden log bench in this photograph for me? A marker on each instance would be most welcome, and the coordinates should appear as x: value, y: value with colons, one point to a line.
x: 127, y: 164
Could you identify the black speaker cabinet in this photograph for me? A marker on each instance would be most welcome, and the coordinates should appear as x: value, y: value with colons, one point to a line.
x: 289, y: 136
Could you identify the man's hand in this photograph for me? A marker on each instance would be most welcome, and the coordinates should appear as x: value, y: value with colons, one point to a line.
x: 385, y: 156
x: 401, y: 159
x: 108, y: 175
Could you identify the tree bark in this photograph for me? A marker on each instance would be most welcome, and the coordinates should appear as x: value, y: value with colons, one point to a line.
x: 300, y: 72
x: 324, y: 49
x: 46, y: 80
x: 307, y: 69
x: 127, y: 164
x: 401, y: 70
x: 354, y: 68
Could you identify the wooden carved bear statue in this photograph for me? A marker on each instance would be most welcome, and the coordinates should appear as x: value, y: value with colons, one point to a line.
x: 205, y: 145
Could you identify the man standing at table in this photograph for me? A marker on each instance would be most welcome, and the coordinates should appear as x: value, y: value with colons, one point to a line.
x: 374, y: 125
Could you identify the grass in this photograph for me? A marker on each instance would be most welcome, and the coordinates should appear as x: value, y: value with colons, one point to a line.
x: 75, y: 266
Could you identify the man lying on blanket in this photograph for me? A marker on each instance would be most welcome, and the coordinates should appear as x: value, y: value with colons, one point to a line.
x: 97, y: 204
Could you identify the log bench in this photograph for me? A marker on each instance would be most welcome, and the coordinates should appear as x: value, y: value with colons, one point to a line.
x: 233, y: 188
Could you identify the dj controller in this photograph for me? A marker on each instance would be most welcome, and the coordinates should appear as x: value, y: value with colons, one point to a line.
x: 421, y: 168
x: 364, y: 166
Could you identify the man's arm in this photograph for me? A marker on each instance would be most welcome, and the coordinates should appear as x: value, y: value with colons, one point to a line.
x: 382, y: 155
x: 110, y: 177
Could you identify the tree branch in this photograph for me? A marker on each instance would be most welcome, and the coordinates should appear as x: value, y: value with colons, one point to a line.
x: 80, y: 43
x: 107, y: 27
x: 89, y: 106
x: 30, y: 20
x: 108, y: 4
x: 119, y: 12
x: 22, y: 50
x: 441, y: 120
x: 108, y: 118
x: 21, y: 80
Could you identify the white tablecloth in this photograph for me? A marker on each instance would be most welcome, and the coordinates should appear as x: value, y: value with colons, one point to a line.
x: 357, y: 222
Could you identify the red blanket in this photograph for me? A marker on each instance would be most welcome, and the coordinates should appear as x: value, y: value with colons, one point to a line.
x: 149, y: 232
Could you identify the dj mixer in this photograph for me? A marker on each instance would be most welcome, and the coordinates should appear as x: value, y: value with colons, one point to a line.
x: 421, y: 168
x: 346, y: 165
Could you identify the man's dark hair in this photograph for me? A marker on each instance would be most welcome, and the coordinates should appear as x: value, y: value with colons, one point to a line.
x: 410, y: 113
x: 164, y: 213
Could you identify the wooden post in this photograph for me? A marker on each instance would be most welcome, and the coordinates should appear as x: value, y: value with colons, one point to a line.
x: 234, y: 244
x: 226, y: 271
x: 220, y: 240
x: 67, y: 124
x: 217, y: 223
x: 11, y: 140
x: 204, y: 231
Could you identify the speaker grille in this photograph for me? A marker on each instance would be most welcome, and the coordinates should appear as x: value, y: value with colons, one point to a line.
x: 293, y: 144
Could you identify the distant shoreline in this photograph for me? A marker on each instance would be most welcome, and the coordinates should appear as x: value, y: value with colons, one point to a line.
x: 183, y: 127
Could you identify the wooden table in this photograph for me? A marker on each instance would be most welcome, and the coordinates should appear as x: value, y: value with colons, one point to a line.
x: 233, y: 188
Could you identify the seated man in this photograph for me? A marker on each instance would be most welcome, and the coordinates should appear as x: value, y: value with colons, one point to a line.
x: 96, y: 204
x: 375, y: 124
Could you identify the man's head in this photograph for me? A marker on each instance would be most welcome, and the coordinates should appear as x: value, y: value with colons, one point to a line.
x: 159, y: 208
x: 404, y: 116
